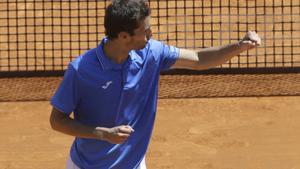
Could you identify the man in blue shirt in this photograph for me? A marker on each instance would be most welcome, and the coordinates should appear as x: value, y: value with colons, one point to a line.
x: 112, y: 90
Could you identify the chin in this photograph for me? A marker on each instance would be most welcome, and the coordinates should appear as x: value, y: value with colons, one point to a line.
x: 144, y: 45
x: 140, y: 47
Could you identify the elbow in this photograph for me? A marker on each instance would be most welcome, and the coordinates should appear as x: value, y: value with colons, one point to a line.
x: 53, y: 122
x: 207, y: 62
x: 56, y: 119
x: 204, y: 65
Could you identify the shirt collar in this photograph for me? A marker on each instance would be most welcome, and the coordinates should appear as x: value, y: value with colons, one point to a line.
x: 108, y: 64
x: 105, y: 62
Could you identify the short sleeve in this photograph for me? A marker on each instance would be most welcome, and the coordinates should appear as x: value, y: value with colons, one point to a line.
x: 66, y: 96
x: 168, y: 55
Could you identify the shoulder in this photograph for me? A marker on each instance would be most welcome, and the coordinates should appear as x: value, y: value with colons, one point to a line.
x: 161, y: 47
x: 153, y: 49
x: 85, y: 60
x: 155, y: 44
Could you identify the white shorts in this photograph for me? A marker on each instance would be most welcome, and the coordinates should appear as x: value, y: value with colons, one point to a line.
x: 71, y: 165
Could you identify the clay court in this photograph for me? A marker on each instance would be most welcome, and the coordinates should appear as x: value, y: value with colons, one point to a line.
x: 204, y: 120
x: 216, y: 133
x: 223, y: 122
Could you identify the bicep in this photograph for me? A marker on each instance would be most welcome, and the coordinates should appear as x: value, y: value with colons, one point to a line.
x: 188, y: 59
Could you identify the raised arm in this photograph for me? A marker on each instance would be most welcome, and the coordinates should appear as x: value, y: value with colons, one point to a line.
x: 215, y: 56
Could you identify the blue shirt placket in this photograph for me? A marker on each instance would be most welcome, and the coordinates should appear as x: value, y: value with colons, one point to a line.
x: 117, y: 121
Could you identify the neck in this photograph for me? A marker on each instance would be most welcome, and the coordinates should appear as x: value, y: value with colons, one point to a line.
x: 116, y: 52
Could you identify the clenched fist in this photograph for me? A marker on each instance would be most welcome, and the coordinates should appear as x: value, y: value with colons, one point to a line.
x: 115, y: 135
x: 250, y: 41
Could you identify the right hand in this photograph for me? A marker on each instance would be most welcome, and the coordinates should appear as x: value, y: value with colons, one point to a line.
x: 251, y: 40
x: 115, y: 135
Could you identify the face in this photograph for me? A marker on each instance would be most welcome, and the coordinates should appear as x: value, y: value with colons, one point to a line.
x: 141, y: 35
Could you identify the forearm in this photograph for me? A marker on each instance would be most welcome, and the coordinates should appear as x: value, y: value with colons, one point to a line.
x: 61, y: 122
x: 215, y: 56
x: 71, y: 127
x: 74, y: 128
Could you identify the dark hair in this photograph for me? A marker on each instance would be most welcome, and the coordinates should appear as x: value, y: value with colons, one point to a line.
x: 124, y: 15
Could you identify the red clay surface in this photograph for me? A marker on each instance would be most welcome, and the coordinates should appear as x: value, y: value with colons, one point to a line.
x: 216, y: 133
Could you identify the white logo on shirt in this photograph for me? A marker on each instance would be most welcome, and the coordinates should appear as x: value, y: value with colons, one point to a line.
x: 107, y: 84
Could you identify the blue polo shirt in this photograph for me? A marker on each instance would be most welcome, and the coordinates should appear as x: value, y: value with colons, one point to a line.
x: 103, y: 93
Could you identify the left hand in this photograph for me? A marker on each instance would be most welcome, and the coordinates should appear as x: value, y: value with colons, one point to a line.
x: 251, y: 40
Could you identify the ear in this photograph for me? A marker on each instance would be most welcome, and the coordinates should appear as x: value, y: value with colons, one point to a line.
x: 123, y: 36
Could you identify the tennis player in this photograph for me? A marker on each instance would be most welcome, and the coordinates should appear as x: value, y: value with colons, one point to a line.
x: 112, y: 89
